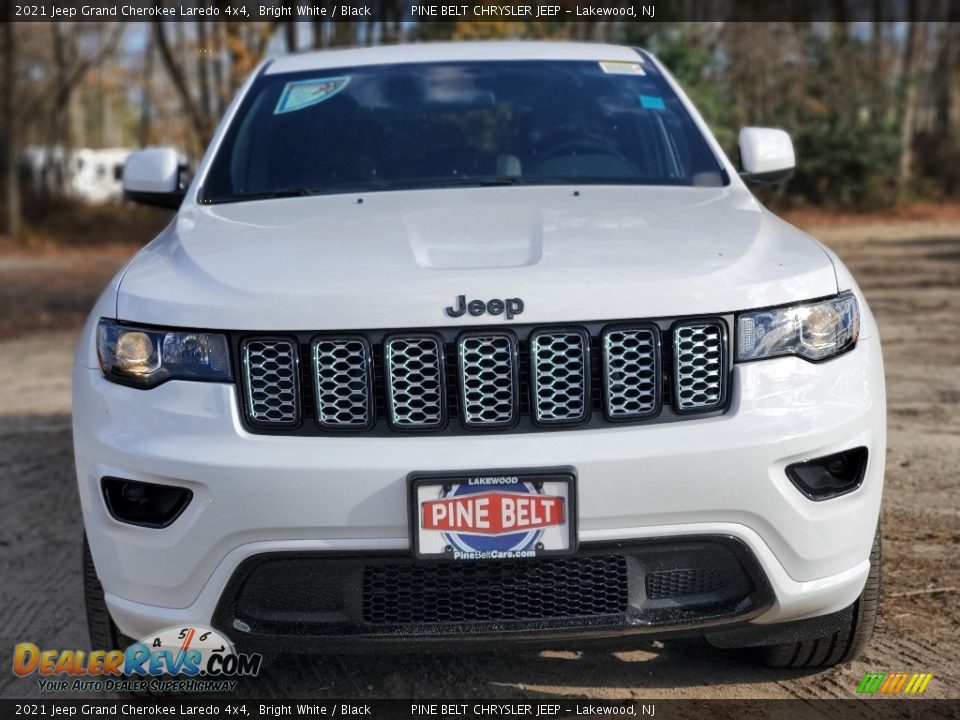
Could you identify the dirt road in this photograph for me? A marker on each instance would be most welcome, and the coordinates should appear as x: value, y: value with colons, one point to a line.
x: 911, y: 274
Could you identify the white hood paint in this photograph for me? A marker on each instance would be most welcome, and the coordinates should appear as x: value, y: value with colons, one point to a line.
x: 397, y: 259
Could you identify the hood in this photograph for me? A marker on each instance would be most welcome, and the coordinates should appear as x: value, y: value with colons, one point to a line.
x: 397, y: 259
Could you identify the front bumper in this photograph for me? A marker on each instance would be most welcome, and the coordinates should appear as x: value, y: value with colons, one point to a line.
x: 721, y: 476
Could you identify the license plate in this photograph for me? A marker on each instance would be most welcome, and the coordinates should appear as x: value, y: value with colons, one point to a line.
x: 492, y: 516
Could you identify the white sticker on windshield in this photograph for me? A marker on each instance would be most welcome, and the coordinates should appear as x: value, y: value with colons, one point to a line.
x: 304, y: 93
x: 619, y: 67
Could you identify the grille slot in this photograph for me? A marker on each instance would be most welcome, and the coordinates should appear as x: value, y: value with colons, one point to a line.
x: 631, y: 372
x: 415, y: 382
x: 343, y: 382
x: 699, y: 365
x: 271, y: 381
x: 559, y: 375
x: 506, y: 590
x: 677, y: 583
x: 488, y: 379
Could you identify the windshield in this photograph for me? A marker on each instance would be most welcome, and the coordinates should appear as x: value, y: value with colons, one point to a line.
x: 438, y: 125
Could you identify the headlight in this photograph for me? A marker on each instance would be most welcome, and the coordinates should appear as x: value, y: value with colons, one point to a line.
x: 814, y: 331
x: 147, y: 357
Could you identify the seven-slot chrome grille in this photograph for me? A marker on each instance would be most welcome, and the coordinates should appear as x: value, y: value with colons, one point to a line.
x: 493, y: 379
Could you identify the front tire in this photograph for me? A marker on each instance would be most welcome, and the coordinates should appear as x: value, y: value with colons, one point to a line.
x: 104, y: 634
x: 842, y: 645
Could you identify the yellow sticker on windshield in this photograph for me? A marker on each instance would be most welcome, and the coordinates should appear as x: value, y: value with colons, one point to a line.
x: 304, y: 93
x: 619, y: 67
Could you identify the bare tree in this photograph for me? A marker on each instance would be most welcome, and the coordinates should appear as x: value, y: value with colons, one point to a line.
x: 146, y: 98
x: 913, y: 59
x: 290, y: 29
x: 12, y: 169
x: 948, y: 72
x: 56, y: 99
x: 200, y: 120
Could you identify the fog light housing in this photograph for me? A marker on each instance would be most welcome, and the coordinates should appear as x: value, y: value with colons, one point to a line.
x: 829, y: 476
x: 144, y: 504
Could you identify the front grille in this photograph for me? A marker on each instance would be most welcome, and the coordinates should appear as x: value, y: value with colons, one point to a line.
x: 494, y: 379
x: 505, y: 590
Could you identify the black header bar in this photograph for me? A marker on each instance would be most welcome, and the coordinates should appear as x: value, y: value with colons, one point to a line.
x: 546, y: 11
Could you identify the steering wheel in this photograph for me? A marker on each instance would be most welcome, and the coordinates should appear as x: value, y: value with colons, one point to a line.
x: 591, y: 142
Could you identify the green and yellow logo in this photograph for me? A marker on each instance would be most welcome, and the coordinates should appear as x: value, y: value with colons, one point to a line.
x: 894, y: 683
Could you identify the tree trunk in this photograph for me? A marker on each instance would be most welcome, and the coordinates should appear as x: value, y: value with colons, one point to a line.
x: 236, y: 47
x: 946, y: 74
x: 219, y: 74
x: 290, y: 31
x: 203, y: 68
x: 912, y: 62
x: 146, y: 99
x: 343, y: 33
x: 12, y: 160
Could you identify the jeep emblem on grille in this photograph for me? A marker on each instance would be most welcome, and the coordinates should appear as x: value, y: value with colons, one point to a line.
x: 508, y: 307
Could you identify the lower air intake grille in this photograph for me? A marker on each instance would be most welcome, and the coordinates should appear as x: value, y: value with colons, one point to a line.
x: 457, y: 592
x: 270, y: 381
x: 678, y: 583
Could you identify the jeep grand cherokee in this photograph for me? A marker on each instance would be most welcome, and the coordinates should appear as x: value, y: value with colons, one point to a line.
x: 464, y: 343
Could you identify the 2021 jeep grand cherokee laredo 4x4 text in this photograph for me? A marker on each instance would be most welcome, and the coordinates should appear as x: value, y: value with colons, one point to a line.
x: 473, y: 342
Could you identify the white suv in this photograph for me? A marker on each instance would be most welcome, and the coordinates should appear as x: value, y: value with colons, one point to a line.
x: 479, y: 342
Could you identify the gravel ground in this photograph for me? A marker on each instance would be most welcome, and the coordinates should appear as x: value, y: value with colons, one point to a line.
x: 910, y: 272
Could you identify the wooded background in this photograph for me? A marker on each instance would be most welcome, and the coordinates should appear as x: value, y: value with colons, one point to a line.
x: 873, y: 107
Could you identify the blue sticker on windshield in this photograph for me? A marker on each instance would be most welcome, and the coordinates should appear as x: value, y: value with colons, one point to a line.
x: 304, y: 93
x: 652, y: 102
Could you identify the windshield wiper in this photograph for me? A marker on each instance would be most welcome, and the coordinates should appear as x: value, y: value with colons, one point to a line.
x: 498, y: 180
x: 263, y: 195
x: 505, y: 180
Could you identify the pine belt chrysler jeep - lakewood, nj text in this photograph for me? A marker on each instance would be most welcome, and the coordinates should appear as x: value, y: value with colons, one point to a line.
x: 467, y: 343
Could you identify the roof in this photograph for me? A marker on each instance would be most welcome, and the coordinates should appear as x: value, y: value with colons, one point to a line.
x: 450, y: 52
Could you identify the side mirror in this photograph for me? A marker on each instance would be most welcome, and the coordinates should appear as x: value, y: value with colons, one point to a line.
x: 766, y: 155
x: 152, y: 177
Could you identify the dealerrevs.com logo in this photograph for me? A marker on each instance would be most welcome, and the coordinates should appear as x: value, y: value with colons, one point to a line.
x: 178, y: 659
